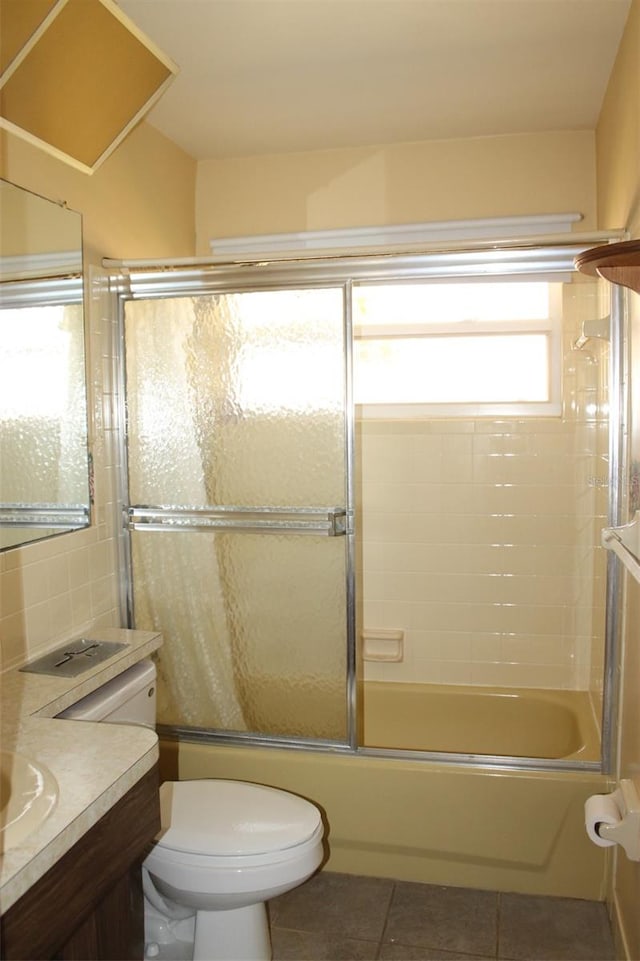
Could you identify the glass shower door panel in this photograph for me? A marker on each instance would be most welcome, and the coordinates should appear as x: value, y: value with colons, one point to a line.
x: 237, y: 399
x: 236, y: 418
x: 254, y: 630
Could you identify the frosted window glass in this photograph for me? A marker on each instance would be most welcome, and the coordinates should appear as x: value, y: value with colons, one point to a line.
x: 442, y: 303
x: 450, y: 370
x: 237, y: 399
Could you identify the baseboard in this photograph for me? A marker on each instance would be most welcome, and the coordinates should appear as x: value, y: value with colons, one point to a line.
x: 623, y: 952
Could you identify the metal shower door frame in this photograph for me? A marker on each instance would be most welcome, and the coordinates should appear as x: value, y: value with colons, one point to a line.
x: 535, y: 257
x: 332, y: 522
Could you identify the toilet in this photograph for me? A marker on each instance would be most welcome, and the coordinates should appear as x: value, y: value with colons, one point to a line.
x: 225, y: 847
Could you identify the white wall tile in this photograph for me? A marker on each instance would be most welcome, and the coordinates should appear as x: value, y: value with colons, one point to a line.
x: 485, y: 551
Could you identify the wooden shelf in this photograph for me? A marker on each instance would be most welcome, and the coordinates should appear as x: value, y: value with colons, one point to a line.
x: 618, y: 263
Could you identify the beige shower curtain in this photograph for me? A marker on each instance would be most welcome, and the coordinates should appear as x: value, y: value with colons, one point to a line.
x: 177, y: 577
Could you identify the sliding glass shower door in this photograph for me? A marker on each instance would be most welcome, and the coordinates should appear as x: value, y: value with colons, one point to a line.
x: 238, y: 510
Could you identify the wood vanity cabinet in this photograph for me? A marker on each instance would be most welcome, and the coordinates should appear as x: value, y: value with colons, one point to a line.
x: 89, y: 904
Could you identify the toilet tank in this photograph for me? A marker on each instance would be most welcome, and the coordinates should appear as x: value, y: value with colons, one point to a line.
x: 129, y: 698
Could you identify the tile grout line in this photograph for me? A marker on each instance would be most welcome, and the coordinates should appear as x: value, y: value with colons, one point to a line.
x: 381, y: 940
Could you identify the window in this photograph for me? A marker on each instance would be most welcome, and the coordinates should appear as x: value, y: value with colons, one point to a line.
x: 465, y: 348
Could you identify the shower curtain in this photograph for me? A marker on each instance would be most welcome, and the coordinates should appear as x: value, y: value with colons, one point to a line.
x: 178, y: 583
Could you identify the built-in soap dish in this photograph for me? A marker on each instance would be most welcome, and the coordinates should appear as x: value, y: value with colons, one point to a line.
x: 74, y: 657
x: 382, y: 645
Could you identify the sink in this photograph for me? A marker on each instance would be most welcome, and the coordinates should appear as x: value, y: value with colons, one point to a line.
x: 28, y: 793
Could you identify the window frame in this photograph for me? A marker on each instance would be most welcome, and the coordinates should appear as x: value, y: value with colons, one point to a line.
x: 551, y: 326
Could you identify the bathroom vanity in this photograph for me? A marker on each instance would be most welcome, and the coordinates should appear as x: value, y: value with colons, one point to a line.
x: 71, y: 887
x: 89, y: 904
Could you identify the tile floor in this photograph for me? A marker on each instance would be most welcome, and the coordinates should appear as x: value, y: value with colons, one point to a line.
x: 340, y: 917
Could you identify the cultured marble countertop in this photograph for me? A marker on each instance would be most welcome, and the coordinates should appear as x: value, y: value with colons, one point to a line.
x: 94, y: 764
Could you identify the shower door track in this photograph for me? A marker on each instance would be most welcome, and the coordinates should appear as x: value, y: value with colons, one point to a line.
x: 317, y: 746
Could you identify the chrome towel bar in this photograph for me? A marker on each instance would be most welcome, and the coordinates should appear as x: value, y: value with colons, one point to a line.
x: 331, y: 521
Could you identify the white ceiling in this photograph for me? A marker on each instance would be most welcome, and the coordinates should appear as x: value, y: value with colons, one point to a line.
x: 272, y: 76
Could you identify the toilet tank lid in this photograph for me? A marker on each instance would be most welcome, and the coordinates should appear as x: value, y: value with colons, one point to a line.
x: 219, y: 817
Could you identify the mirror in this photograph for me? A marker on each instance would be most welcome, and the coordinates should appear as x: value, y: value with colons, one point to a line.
x: 44, y: 462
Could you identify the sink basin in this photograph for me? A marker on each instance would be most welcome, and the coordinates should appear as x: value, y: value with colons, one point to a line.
x: 28, y: 793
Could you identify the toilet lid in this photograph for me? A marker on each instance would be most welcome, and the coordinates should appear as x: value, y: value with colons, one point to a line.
x: 219, y: 817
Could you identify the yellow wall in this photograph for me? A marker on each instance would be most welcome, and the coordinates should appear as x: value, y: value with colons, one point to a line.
x: 140, y: 203
x: 618, y: 136
x: 399, y: 183
x: 618, y: 157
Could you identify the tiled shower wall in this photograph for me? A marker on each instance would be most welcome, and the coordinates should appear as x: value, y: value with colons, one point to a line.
x: 57, y: 589
x: 480, y: 537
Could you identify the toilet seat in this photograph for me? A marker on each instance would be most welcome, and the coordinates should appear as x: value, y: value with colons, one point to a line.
x: 223, y: 820
x: 233, y: 862
x: 177, y: 872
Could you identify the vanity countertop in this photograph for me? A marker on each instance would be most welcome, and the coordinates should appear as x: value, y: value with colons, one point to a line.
x: 94, y: 764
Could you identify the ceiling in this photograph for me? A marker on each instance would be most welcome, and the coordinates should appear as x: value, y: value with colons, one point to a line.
x: 273, y: 76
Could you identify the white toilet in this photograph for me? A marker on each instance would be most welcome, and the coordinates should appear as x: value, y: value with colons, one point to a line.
x: 224, y: 849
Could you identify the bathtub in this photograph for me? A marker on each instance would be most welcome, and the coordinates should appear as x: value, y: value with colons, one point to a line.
x: 480, y: 720
x: 459, y: 823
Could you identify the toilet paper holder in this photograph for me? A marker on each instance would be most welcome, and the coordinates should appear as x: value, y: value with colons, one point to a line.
x: 626, y: 832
